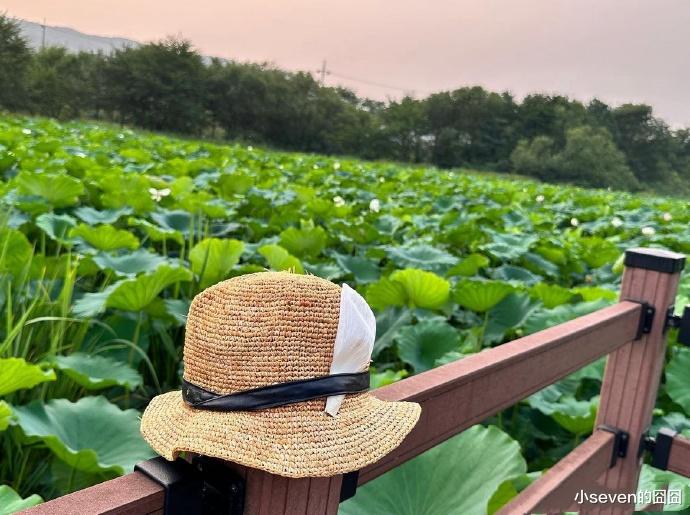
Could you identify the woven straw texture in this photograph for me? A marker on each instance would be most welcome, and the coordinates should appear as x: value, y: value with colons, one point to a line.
x: 261, y: 329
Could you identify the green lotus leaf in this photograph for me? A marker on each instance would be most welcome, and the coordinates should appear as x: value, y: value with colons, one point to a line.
x: 231, y: 184
x: 545, y: 318
x: 105, y: 237
x: 678, y: 379
x: 129, y: 264
x: 95, y: 372
x: 422, y: 344
x: 576, y: 416
x: 178, y: 309
x: 515, y: 275
x: 457, y: 477
x: 130, y: 294
x: 154, y: 232
x: 509, y: 247
x: 510, y: 313
x: 480, y: 296
x: 652, y: 480
x: 213, y: 258
x: 15, y: 251
x: 509, y: 489
x: 388, y: 323
x: 58, y: 189
x: 590, y: 293
x: 17, y: 374
x: 559, y: 402
x: 449, y: 357
x: 329, y: 271
x: 280, y: 259
x: 91, y: 304
x: 551, y: 295
x: 305, y: 242
x: 422, y: 256
x: 93, y: 216
x: 57, y: 227
x: 379, y: 379
x: 386, y: 293
x: 91, y: 434
x: 469, y: 266
x: 5, y: 415
x: 423, y: 289
x: 540, y: 265
x: 674, y: 420
x: 364, y: 270
x: 598, y: 252
x: 174, y: 221
x: 12, y: 502
x: 135, y: 294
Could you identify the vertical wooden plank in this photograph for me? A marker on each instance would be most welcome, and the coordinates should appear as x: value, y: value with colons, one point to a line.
x: 633, y: 372
x: 268, y: 494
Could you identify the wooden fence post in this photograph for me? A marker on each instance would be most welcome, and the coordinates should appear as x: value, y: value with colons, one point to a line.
x: 633, y: 372
x: 268, y: 494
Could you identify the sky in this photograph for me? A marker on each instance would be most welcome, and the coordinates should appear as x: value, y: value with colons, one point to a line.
x: 617, y: 50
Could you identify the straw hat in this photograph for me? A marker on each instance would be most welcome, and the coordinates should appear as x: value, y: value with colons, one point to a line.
x: 254, y: 346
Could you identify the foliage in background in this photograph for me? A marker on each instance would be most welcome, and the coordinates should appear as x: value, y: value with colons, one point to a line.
x: 167, y: 86
x: 107, y: 234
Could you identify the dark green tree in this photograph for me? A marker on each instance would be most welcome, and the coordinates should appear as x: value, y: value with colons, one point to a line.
x: 158, y: 86
x: 15, y: 57
x: 65, y: 85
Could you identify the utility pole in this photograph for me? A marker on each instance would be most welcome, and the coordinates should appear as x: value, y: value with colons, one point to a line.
x: 43, y: 37
x: 323, y: 72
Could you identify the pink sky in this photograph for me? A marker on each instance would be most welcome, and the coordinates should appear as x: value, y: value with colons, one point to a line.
x: 619, y: 50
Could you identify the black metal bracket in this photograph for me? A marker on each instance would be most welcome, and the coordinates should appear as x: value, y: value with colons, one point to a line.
x: 646, y: 318
x: 658, y: 260
x: 682, y: 323
x: 620, y: 443
x: 659, y: 447
x: 348, y: 487
x: 203, y: 487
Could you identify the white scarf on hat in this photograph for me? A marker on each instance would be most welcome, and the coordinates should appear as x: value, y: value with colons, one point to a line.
x: 354, y: 340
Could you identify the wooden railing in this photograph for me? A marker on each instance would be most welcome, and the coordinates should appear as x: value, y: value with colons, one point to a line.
x: 463, y: 393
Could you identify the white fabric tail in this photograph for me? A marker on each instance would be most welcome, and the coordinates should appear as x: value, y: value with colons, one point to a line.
x: 354, y: 340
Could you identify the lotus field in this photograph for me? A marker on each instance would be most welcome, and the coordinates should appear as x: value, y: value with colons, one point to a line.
x: 106, y: 235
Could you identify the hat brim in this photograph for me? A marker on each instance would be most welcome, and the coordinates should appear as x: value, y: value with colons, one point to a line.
x: 304, y: 442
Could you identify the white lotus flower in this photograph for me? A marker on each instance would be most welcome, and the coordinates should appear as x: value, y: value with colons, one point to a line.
x: 574, y: 222
x: 157, y: 195
x: 540, y: 198
x: 375, y: 205
x: 250, y: 148
x: 616, y: 222
x: 338, y: 201
x: 648, y: 231
x: 667, y: 217
x: 315, y: 167
x: 382, y: 180
x: 336, y: 165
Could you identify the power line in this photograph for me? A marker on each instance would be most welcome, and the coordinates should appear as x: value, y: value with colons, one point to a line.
x: 379, y: 84
x: 324, y: 71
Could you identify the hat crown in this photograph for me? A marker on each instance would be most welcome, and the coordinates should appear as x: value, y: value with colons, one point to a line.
x: 261, y: 329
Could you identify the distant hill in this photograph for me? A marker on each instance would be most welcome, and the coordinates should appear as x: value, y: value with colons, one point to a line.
x: 71, y: 39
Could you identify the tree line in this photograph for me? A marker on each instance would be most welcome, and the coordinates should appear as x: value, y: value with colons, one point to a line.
x: 168, y: 86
